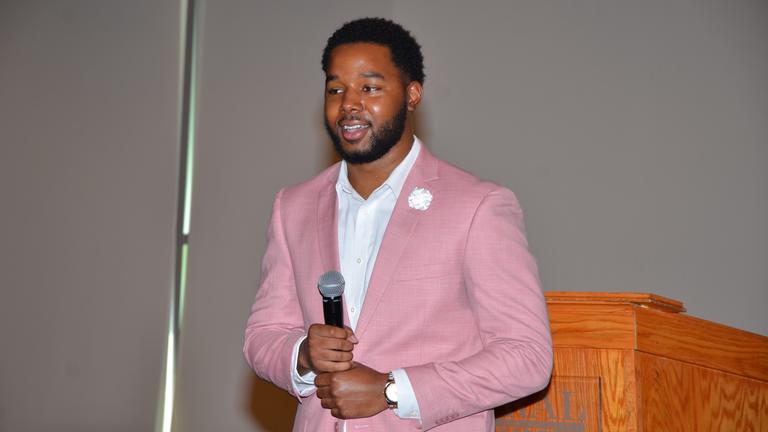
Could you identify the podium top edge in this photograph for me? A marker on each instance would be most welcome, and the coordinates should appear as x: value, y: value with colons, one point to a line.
x: 649, y: 300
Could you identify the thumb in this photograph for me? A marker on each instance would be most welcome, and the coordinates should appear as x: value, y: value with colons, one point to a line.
x: 351, y: 335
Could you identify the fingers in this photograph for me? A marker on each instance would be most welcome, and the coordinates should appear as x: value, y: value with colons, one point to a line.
x: 328, y: 366
x: 319, y: 343
x: 325, y: 393
x: 355, y: 393
x: 331, y: 338
x: 323, y: 330
x: 338, y: 356
x: 329, y: 348
x: 333, y: 332
x: 322, y: 381
x: 322, y: 366
x: 340, y: 344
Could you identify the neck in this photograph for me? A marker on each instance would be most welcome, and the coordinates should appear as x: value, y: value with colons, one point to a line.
x: 365, y: 178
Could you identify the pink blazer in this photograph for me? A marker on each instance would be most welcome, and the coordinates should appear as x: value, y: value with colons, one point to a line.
x: 454, y: 298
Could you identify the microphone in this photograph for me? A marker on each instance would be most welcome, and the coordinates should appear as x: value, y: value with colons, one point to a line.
x: 331, y: 286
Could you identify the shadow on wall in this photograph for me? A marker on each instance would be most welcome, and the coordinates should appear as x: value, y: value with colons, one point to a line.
x: 271, y: 408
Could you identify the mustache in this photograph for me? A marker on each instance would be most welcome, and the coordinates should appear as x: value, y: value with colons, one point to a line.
x: 351, y: 117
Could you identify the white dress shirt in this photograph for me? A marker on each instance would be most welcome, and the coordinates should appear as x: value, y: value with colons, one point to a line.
x: 362, y: 223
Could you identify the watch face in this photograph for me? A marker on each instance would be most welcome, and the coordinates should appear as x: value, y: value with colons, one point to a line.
x: 391, y: 392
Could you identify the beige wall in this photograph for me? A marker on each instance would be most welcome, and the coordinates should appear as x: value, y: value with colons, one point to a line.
x: 88, y: 157
x: 632, y: 132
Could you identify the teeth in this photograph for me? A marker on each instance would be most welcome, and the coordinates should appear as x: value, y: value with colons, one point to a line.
x: 354, y: 127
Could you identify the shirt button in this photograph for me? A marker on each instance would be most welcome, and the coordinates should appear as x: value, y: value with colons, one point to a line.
x: 359, y: 260
x: 352, y: 309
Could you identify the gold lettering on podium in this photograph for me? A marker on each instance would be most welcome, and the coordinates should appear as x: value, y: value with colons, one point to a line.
x: 569, y: 404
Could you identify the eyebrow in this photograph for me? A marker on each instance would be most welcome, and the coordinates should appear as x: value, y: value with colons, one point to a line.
x: 372, y: 75
x: 363, y: 74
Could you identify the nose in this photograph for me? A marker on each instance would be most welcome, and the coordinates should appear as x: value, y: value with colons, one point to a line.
x: 351, y: 101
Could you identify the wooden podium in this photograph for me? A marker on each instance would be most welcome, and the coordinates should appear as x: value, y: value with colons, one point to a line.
x: 636, y: 362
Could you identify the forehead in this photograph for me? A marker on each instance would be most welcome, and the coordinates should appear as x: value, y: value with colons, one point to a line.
x: 361, y: 57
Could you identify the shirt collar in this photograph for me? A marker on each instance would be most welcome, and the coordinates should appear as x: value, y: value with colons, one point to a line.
x: 396, y: 179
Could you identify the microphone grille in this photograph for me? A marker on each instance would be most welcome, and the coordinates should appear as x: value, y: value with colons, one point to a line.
x: 331, y: 284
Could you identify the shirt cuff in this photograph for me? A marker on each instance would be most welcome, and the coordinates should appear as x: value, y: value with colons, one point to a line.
x: 303, y: 385
x: 407, y: 405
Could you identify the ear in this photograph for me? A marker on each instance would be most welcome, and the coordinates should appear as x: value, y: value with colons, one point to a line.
x: 414, y: 91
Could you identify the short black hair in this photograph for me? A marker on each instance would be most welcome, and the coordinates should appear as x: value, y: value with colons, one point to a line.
x: 405, y: 51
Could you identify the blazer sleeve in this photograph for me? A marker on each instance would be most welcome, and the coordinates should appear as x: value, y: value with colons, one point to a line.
x: 506, y: 298
x: 275, y: 323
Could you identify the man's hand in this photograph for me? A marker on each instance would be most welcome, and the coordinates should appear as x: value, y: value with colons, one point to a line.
x: 326, y: 349
x: 355, y: 393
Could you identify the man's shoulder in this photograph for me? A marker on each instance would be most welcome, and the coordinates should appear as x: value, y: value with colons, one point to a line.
x: 454, y: 177
x: 310, y: 188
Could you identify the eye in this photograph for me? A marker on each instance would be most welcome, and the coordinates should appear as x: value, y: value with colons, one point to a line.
x: 370, y: 89
x: 333, y: 90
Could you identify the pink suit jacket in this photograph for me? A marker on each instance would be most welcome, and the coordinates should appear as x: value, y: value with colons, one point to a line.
x: 454, y: 298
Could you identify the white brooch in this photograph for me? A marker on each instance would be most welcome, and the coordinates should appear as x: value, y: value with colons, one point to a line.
x: 420, y: 199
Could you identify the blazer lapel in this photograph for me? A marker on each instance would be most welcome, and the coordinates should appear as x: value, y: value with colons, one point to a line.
x: 402, y: 223
x: 327, y: 225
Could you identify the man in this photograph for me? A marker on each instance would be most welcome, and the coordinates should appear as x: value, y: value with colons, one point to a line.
x: 446, y: 318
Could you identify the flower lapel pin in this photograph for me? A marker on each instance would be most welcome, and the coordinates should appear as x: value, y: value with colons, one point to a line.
x: 420, y: 199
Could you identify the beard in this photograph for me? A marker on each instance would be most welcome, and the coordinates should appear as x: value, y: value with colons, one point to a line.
x: 382, y: 139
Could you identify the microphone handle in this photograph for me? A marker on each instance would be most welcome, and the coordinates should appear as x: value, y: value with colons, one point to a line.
x: 333, y: 311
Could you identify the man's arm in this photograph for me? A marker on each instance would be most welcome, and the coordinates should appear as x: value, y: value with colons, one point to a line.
x: 275, y: 323
x: 505, y: 295
x: 274, y: 334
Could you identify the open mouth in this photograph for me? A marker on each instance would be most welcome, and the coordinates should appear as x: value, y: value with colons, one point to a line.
x: 354, y: 132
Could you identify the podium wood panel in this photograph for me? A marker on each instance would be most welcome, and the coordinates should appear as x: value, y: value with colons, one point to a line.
x: 714, y: 400
x: 702, y: 342
x: 635, y: 362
